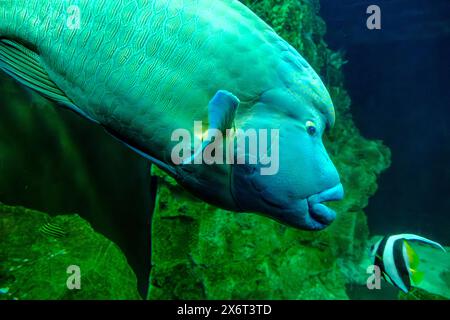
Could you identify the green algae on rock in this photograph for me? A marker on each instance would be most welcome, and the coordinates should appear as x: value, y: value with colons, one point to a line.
x: 54, y: 161
x: 419, y: 294
x: 201, y: 252
x: 33, y: 263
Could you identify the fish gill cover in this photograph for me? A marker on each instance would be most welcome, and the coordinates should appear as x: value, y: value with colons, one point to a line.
x: 198, y: 251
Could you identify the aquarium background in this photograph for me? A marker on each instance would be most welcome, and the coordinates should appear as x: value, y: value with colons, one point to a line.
x: 391, y: 146
x: 398, y: 78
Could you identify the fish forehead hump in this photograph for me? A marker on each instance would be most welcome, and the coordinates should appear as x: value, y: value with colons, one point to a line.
x: 135, y: 63
x: 303, y: 84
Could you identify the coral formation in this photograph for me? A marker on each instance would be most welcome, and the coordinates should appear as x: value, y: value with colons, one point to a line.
x: 203, y: 252
x: 420, y: 294
x: 33, y: 264
x: 54, y: 161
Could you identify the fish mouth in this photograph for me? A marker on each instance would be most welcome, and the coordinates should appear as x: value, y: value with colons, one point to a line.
x: 319, y: 212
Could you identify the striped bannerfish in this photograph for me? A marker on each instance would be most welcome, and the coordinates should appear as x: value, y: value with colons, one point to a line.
x: 397, y: 260
x: 52, y: 230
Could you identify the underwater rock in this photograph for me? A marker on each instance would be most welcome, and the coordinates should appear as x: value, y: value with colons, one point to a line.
x: 201, y: 252
x: 36, y: 251
x: 54, y: 161
x: 419, y: 294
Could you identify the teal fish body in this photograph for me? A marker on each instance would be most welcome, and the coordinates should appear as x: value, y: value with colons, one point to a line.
x: 143, y: 69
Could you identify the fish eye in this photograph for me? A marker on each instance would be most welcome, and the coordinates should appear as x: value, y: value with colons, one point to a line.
x: 311, y: 128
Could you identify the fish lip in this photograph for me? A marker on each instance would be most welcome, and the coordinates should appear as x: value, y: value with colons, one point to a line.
x: 320, y: 212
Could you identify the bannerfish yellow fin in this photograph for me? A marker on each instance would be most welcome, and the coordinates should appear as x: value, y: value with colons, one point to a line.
x: 413, y: 258
x: 25, y: 66
x: 416, y: 276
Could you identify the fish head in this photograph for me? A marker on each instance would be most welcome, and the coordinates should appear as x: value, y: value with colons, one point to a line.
x: 372, y: 250
x: 293, y: 190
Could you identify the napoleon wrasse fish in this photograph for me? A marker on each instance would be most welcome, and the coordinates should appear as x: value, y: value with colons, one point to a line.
x: 144, y: 68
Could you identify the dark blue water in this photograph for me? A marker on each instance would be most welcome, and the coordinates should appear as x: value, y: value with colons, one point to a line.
x: 399, y: 81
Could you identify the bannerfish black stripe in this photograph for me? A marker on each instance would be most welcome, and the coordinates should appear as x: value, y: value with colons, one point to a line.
x: 52, y: 230
x: 379, y: 259
x: 379, y: 254
x: 400, y: 263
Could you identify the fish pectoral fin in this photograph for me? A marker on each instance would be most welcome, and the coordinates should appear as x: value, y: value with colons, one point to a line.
x: 25, y: 66
x: 221, y: 113
x: 222, y: 110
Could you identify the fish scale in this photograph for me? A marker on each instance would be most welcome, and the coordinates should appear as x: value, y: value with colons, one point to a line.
x: 144, y: 68
x: 65, y: 52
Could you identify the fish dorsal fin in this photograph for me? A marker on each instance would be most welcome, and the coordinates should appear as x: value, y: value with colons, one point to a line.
x: 413, y: 237
x: 26, y: 67
x: 221, y: 113
x: 222, y: 110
